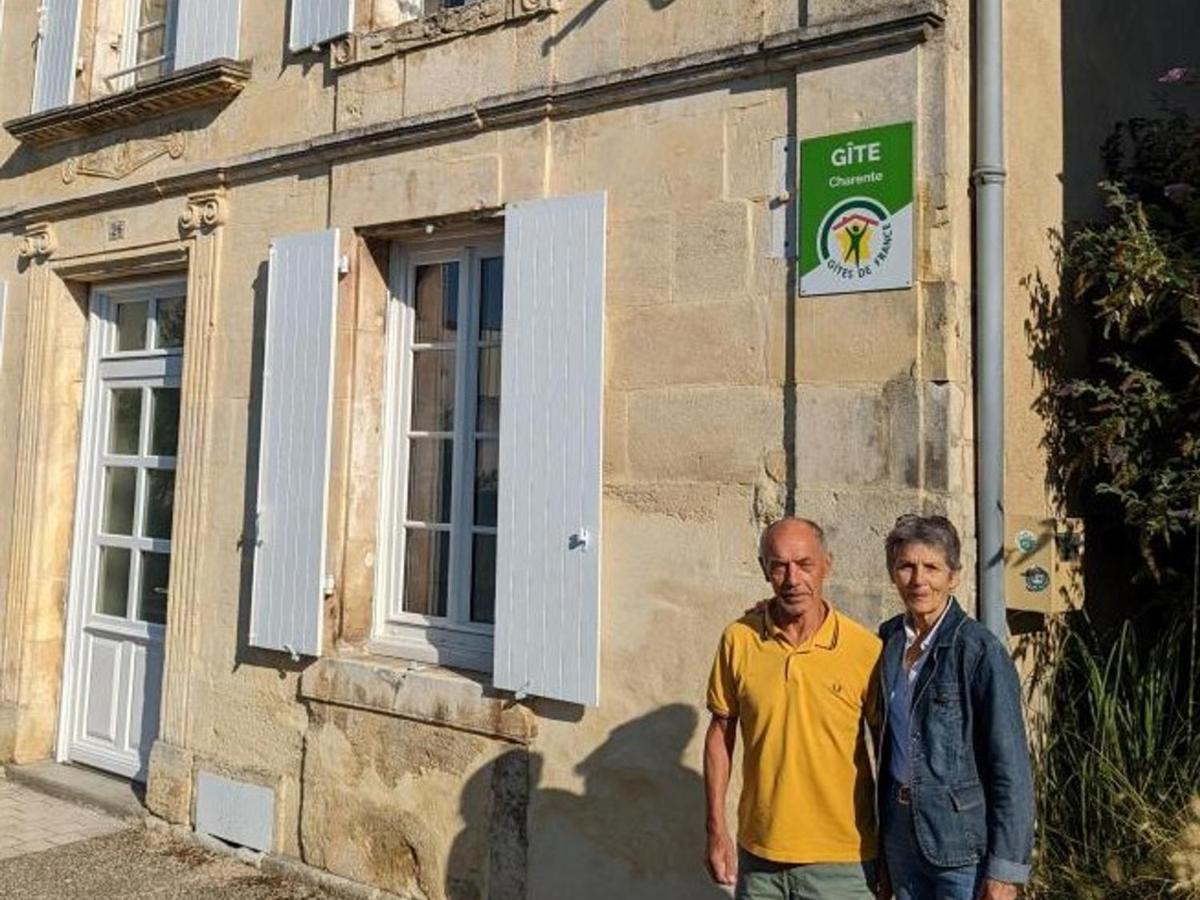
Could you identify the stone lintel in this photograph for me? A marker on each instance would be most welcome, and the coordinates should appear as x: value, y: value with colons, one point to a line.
x: 433, y: 695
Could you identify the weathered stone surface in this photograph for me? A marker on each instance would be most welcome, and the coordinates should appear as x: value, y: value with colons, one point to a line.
x: 427, y: 695
x: 406, y: 806
x: 704, y: 434
x: 677, y: 344
x: 841, y: 436
x: 169, y: 787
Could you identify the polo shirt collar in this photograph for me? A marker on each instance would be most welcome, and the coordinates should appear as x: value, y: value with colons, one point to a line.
x: 826, y: 637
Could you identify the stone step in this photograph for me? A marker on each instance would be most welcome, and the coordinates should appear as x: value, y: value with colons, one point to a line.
x: 110, y: 793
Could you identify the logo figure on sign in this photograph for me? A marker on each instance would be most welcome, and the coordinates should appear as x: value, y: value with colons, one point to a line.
x: 855, y: 238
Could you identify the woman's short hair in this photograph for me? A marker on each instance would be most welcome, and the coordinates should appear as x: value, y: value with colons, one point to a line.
x: 932, y: 531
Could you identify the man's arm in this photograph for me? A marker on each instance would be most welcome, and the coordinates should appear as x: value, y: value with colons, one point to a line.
x: 719, y: 742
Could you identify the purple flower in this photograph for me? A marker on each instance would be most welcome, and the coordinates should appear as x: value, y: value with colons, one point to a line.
x: 1175, y: 75
x: 1180, y: 192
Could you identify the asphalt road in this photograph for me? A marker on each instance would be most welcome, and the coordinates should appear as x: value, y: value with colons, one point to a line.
x: 140, y: 863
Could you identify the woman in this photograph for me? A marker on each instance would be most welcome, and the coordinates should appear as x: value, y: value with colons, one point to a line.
x: 956, y: 796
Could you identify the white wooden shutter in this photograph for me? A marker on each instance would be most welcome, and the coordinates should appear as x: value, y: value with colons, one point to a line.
x: 293, y: 467
x: 57, y: 49
x: 204, y: 30
x: 548, y: 547
x: 317, y: 21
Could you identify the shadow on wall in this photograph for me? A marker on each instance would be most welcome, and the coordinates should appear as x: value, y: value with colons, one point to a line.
x: 636, y: 831
x: 582, y: 17
x: 1113, y: 53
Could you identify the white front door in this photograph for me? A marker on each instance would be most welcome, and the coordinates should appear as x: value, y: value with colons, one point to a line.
x: 123, y: 533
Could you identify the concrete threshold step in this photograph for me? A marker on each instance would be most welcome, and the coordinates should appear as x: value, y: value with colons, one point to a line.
x: 87, y: 787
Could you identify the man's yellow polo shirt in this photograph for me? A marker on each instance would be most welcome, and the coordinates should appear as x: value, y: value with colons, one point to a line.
x: 806, y: 777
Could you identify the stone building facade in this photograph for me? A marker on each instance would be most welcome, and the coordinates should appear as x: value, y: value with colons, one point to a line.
x: 250, y: 565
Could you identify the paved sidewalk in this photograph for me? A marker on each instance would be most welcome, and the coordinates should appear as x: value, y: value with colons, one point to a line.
x: 31, y: 822
x: 141, y: 864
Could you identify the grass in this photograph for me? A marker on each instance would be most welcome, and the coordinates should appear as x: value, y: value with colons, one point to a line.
x: 1117, y: 764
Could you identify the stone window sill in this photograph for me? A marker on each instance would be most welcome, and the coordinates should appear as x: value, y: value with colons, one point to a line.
x: 447, y: 25
x: 416, y: 691
x: 210, y: 83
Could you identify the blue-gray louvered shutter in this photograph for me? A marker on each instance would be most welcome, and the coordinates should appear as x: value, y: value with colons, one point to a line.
x: 293, y: 468
x: 547, y: 638
x: 317, y: 21
x: 206, y: 30
x: 57, y: 50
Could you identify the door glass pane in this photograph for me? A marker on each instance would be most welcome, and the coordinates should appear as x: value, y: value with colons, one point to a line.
x: 170, y: 316
x: 483, y: 579
x: 111, y: 598
x: 487, y: 411
x: 491, y: 293
x: 433, y: 390
x: 160, y: 495
x: 487, y: 480
x: 120, y: 485
x: 125, y: 421
x: 131, y: 325
x: 164, y: 426
x: 426, y: 567
x: 152, y: 604
x: 430, y: 464
x: 435, y: 299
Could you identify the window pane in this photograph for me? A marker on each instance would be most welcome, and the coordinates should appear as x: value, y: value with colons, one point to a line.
x: 150, y: 46
x: 131, y: 326
x: 433, y: 390
x: 125, y: 421
x: 151, y: 39
x: 487, y: 409
x: 171, y: 316
x: 436, y: 302
x: 491, y: 293
x: 152, y: 604
x: 164, y: 426
x: 487, y: 479
x: 426, y: 566
x: 113, y: 593
x: 430, y: 465
x: 160, y: 498
x: 152, y: 11
x: 483, y: 579
x: 119, y: 491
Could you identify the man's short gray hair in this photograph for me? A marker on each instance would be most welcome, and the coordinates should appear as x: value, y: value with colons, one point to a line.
x: 813, y: 526
x: 932, y: 531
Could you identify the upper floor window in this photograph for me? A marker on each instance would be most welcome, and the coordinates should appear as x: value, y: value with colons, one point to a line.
x: 90, y: 50
x: 133, y: 44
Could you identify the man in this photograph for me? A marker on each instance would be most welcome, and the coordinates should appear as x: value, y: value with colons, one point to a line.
x: 794, y: 676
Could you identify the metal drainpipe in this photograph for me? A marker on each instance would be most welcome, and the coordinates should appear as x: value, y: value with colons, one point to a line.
x: 989, y: 176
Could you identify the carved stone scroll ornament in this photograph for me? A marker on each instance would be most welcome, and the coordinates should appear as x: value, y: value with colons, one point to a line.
x: 423, y: 31
x: 205, y: 210
x: 37, y: 243
x: 121, y: 160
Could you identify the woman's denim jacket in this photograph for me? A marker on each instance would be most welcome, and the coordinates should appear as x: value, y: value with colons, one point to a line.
x: 972, y: 792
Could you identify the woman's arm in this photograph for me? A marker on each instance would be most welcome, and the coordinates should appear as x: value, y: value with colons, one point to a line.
x: 1002, y: 759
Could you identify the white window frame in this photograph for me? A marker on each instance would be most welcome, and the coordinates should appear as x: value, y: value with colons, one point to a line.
x: 126, y: 76
x: 452, y: 640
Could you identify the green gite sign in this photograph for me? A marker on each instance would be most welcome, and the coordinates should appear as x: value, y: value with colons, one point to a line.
x: 856, y: 214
